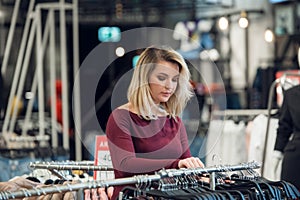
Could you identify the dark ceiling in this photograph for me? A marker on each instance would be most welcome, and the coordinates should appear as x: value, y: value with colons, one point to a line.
x: 124, y: 10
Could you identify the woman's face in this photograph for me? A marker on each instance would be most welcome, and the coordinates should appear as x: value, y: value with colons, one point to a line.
x: 163, y: 81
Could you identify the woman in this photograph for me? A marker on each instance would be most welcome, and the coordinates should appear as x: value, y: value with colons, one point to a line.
x: 288, y: 136
x: 146, y: 134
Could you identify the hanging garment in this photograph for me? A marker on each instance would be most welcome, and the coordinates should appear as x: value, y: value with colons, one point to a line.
x: 188, y: 34
x: 226, y: 143
x: 234, y: 187
x: 257, y: 145
x: 194, y: 36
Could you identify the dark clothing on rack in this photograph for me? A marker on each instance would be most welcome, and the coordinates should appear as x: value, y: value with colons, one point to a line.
x: 143, y: 146
x: 236, y: 187
x: 261, y: 86
x: 288, y: 136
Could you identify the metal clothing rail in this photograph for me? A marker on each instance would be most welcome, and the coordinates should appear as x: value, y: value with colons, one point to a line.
x: 67, y: 162
x: 29, y: 138
x: 138, y: 179
x: 242, y: 112
x: 69, y: 166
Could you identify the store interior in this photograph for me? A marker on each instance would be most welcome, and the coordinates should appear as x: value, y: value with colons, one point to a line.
x: 66, y: 64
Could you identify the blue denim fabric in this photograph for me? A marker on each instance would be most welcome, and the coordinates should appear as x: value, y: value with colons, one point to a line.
x: 16, y: 167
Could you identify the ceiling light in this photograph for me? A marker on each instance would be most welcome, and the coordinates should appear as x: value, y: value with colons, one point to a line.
x: 223, y: 23
x: 269, y: 36
x: 120, y: 51
x: 243, y: 21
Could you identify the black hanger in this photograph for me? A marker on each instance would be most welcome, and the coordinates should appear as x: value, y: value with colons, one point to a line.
x: 288, y: 189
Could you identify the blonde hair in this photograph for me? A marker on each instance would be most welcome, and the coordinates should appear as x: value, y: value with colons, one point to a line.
x: 139, y: 94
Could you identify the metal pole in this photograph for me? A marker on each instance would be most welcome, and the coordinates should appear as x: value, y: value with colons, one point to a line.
x: 40, y: 68
x: 30, y: 103
x: 247, y: 66
x: 77, y: 111
x: 17, y: 69
x: 270, y: 100
x: 22, y: 77
x: 34, y: 84
x: 10, y: 37
x: 64, y: 76
x: 25, y: 67
x: 53, y: 105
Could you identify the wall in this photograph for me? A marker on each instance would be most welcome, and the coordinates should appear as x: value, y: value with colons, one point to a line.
x: 259, y: 50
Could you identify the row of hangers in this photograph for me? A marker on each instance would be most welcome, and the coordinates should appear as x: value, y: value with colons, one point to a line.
x: 233, y: 187
x: 225, y: 182
x: 69, y: 165
x: 138, y: 179
x: 67, y: 170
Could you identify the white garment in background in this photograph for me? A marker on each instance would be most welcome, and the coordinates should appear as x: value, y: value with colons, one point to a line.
x: 189, y: 33
x: 226, y: 143
x: 257, y: 143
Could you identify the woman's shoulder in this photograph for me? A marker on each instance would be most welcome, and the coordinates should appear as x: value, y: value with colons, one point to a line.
x: 293, y: 90
x: 123, y: 107
x: 123, y: 111
x: 120, y: 110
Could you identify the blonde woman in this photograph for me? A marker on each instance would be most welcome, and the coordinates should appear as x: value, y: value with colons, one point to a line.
x: 146, y: 134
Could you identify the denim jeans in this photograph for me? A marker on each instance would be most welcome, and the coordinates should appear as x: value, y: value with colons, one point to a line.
x: 12, y: 167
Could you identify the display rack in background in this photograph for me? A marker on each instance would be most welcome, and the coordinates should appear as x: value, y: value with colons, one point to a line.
x: 65, y: 169
x: 44, y: 38
x: 229, y: 137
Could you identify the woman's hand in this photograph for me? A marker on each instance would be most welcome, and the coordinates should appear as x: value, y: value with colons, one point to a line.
x: 17, y: 183
x: 99, y: 193
x: 191, y: 162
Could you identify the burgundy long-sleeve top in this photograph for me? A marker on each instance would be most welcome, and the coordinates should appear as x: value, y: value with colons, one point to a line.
x: 139, y: 146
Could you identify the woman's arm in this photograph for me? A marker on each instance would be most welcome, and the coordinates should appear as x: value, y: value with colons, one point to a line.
x: 285, y: 124
x: 122, y: 150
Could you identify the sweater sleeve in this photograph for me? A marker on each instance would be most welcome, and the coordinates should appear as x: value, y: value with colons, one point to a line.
x: 122, y: 148
x: 184, y: 144
x: 184, y: 141
x: 285, y: 125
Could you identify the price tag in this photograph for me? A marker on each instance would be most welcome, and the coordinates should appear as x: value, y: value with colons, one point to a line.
x: 102, y: 158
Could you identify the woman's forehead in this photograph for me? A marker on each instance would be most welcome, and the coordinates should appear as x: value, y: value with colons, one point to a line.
x: 167, y: 67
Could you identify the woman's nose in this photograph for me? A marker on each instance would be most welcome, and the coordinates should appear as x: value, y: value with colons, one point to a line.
x: 169, y: 84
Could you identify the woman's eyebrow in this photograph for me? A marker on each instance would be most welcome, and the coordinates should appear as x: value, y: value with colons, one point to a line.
x: 162, y: 73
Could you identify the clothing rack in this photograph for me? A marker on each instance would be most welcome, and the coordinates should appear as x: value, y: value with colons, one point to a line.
x: 19, y: 142
x: 44, y: 39
x: 138, y: 179
x: 69, y: 166
x: 68, y: 162
x: 242, y: 112
x: 25, y: 138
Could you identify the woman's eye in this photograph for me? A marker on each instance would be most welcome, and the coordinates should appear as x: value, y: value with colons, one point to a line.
x: 175, y: 79
x: 161, y: 78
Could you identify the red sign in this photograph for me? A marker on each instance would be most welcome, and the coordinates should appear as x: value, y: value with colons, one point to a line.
x: 102, y: 158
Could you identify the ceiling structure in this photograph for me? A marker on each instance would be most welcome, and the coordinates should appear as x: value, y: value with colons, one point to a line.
x: 125, y: 11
